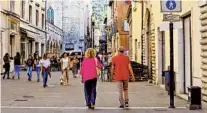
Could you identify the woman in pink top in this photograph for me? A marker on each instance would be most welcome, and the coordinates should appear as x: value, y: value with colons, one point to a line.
x: 89, y: 73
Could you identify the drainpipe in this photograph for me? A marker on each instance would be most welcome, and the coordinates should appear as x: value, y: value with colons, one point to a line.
x: 142, y: 37
x: 45, y: 27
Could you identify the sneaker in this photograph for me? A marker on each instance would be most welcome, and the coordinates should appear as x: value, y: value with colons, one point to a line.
x: 121, y: 106
x: 4, y: 77
x: 8, y: 78
x: 126, y: 104
x: 38, y: 80
x: 13, y: 77
x: 92, y: 106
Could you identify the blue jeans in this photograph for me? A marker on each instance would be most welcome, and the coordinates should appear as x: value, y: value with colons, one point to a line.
x: 45, y: 76
x: 38, y: 72
x: 90, y: 91
x: 29, y: 72
x: 17, y: 70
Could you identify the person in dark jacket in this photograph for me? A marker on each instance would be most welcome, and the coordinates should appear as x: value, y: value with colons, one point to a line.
x: 6, y: 65
x: 30, y: 63
x: 17, y: 64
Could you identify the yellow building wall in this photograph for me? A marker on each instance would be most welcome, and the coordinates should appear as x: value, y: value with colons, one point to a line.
x: 187, y: 6
x: 136, y: 31
x: 156, y: 19
x: 8, y: 20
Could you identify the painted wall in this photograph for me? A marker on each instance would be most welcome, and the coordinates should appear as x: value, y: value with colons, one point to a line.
x: 118, y: 14
x: 157, y: 23
x: 136, y: 31
x: 121, y: 12
x: 73, y: 23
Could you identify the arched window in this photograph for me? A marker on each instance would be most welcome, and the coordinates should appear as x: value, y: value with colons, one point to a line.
x: 52, y: 16
x: 49, y: 15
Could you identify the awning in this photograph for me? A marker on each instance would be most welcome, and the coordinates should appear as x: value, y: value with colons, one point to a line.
x: 30, y: 34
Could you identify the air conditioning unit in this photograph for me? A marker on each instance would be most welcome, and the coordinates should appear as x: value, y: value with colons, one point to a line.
x: 125, y: 25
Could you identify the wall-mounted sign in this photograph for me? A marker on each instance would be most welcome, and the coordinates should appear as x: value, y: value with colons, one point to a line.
x: 171, y: 5
x: 171, y: 17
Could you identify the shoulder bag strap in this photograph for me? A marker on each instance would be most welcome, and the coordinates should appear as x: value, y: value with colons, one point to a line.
x: 96, y: 62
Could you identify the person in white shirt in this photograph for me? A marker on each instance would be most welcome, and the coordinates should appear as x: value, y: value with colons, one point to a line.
x: 45, y: 67
x: 38, y: 66
x: 65, y: 65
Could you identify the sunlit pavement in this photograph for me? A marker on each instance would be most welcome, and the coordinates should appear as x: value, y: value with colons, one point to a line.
x: 21, y: 96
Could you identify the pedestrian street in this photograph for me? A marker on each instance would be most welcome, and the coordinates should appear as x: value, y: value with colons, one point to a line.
x: 21, y: 96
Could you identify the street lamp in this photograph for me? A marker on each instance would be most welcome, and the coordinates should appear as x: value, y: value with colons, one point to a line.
x: 108, y: 31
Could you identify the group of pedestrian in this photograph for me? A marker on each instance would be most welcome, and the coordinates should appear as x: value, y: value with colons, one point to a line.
x: 12, y: 64
x: 68, y: 63
x: 121, y: 69
x: 42, y: 66
x: 90, y: 70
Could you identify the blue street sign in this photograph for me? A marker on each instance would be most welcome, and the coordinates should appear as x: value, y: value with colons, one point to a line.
x: 171, y: 4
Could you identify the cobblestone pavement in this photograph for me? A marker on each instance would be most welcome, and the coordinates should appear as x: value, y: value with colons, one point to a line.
x: 21, y: 96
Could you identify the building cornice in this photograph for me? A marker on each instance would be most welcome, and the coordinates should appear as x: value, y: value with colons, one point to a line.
x: 29, y: 30
x: 54, y: 26
x: 10, y: 13
x: 22, y: 20
x: 37, y: 28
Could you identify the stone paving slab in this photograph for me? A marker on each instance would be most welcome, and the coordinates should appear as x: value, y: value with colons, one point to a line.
x: 141, y: 94
x: 99, y: 111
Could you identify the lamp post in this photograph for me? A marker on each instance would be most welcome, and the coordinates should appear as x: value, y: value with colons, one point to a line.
x: 107, y: 30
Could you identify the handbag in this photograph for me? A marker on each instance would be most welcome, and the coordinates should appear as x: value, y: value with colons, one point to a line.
x: 97, y: 69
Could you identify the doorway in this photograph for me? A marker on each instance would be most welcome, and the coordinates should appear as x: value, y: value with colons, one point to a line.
x: 187, y: 53
x: 12, y: 47
x: 163, y: 54
x: 30, y: 47
x: 149, y: 46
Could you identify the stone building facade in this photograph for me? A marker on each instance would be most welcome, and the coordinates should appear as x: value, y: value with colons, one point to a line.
x: 203, y: 42
x: 10, y: 29
x: 118, y: 17
x: 32, y: 28
x: 54, y: 39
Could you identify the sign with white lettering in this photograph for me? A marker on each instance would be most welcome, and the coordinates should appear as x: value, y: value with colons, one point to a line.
x: 171, y: 17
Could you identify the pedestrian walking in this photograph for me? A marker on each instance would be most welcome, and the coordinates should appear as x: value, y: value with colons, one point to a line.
x: 6, y: 65
x: 74, y: 65
x: 65, y: 65
x: 38, y: 67
x: 17, y: 65
x: 45, y: 67
x: 30, y: 63
x: 89, y: 72
x: 121, y: 68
